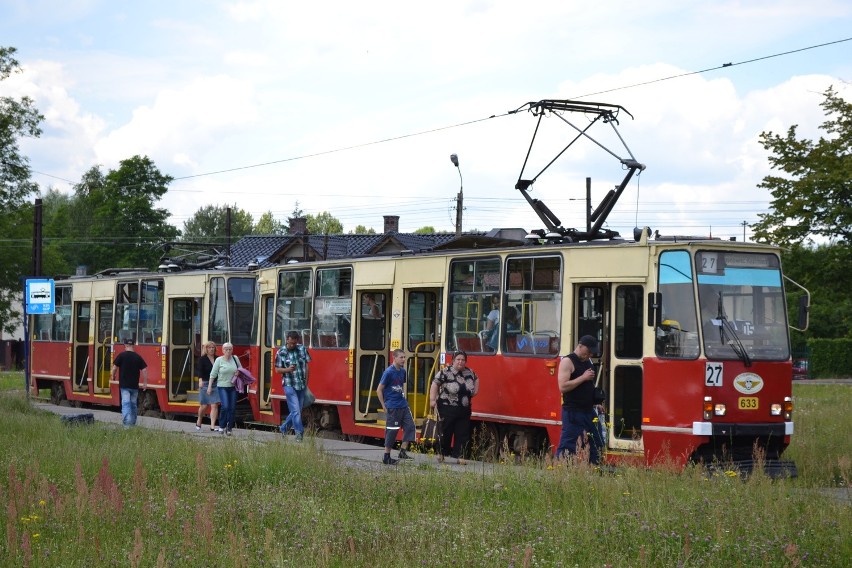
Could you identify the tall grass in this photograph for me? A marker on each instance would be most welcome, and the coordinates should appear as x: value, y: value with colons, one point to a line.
x: 101, y: 495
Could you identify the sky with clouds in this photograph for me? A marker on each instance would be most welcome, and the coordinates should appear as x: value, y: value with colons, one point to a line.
x: 355, y: 107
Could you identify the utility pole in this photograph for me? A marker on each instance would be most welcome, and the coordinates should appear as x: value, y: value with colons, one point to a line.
x: 460, y: 199
x: 744, y: 224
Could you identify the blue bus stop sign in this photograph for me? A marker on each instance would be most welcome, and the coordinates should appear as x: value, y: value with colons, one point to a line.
x: 40, y: 299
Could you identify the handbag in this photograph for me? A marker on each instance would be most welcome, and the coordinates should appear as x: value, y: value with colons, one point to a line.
x: 308, y: 399
x: 430, y: 433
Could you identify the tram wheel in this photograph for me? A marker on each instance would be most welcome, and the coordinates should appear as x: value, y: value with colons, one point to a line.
x: 148, y: 405
x: 357, y: 438
x: 57, y: 393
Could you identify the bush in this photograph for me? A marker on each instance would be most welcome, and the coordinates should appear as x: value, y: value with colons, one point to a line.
x: 830, y: 357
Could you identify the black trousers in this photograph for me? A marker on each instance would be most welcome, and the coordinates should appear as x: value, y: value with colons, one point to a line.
x: 455, y: 430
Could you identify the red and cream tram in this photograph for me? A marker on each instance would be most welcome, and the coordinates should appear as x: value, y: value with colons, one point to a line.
x: 695, y: 349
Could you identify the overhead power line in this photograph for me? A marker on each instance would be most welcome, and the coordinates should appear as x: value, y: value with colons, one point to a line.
x: 477, y: 120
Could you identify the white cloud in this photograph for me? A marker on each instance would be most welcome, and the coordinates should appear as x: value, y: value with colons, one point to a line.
x: 182, y: 124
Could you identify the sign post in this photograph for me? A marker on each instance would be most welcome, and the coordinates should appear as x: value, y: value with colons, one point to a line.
x: 40, y: 299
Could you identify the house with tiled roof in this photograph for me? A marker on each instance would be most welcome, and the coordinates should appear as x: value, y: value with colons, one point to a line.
x: 260, y: 251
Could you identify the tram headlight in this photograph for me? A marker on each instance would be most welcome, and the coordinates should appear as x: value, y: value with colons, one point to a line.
x: 708, y: 407
x: 785, y: 409
x: 719, y: 409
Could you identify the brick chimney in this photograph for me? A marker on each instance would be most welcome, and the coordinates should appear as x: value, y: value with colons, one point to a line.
x: 298, y: 225
x: 391, y: 224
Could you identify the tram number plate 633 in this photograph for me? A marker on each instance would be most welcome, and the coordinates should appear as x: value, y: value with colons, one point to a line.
x: 748, y: 403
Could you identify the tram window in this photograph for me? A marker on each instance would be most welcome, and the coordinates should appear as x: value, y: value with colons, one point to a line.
x: 421, y: 324
x: 532, y: 315
x: 43, y: 326
x: 62, y: 317
x: 473, y: 284
x: 333, y: 308
x: 241, y: 309
x: 627, y: 409
x: 217, y: 321
x: 294, y: 307
x: 743, y: 290
x: 151, y: 312
x: 677, y: 332
x: 371, y: 325
x: 590, y: 312
x: 629, y: 304
x: 126, y: 311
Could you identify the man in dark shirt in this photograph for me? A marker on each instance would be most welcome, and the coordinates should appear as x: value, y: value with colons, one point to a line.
x: 128, y: 366
x: 577, y: 385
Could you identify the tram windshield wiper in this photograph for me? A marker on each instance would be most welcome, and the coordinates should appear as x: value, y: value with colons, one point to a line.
x: 727, y: 330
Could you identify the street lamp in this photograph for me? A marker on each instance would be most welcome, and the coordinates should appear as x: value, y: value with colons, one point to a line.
x: 460, y: 200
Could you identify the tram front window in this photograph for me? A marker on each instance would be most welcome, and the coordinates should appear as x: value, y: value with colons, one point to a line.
x: 676, y: 332
x: 741, y: 301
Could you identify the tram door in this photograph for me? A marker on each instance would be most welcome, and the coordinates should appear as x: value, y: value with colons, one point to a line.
x: 420, y: 334
x: 267, y: 351
x: 183, y: 349
x: 81, y: 363
x: 371, y: 350
x: 103, y: 346
x: 624, y: 388
x: 592, y: 317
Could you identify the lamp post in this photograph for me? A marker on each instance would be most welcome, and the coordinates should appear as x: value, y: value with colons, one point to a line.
x: 460, y: 200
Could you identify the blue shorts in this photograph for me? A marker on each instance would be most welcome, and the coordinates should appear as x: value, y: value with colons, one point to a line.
x: 398, y: 418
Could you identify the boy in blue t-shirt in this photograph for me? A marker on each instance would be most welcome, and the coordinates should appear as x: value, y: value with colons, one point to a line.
x: 391, y: 393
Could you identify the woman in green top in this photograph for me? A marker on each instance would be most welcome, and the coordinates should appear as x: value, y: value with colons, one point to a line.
x: 222, y: 374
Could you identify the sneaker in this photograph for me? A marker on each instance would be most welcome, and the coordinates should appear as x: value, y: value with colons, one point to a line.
x: 282, y: 429
x: 197, y: 427
x: 228, y: 432
x: 403, y: 455
x: 216, y: 429
x: 387, y: 460
x: 298, y: 437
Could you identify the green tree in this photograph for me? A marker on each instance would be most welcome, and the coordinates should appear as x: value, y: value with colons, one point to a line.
x: 267, y: 225
x: 18, y: 119
x: 110, y: 221
x: 427, y: 230
x: 814, y: 198
x: 362, y: 230
x: 208, y: 224
x: 323, y: 224
x: 823, y: 270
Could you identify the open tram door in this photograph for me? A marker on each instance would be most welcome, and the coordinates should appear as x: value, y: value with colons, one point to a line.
x: 81, y: 364
x: 184, y: 347
x: 267, y: 353
x: 371, y: 350
x: 103, y: 346
x: 421, y: 345
x: 614, y: 315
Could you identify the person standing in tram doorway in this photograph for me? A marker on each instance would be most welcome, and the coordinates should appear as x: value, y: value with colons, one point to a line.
x: 577, y: 385
x: 128, y: 366
x: 391, y: 394
x: 452, y: 392
x: 222, y: 373
x: 292, y: 362
x: 202, y: 371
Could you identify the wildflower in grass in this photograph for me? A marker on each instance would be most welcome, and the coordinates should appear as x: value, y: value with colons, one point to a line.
x: 42, y: 502
x: 36, y: 535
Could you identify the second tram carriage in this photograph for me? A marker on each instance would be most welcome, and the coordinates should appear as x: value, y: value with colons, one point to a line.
x: 694, y: 358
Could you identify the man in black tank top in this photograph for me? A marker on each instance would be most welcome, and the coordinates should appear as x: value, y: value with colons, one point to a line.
x: 577, y: 385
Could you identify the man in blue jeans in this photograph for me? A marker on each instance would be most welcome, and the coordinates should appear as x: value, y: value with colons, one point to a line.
x: 577, y: 385
x: 128, y: 366
x: 391, y: 394
x: 292, y: 362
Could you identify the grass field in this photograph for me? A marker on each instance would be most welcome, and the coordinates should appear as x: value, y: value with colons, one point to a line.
x: 104, y: 496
